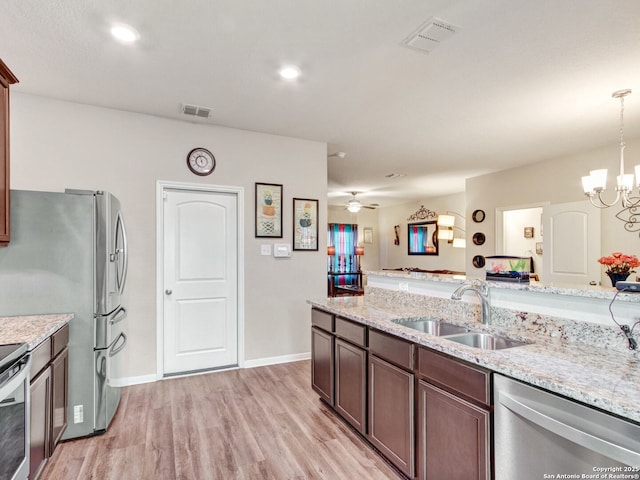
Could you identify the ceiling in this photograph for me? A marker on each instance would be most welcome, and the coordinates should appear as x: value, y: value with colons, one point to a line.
x: 520, y: 81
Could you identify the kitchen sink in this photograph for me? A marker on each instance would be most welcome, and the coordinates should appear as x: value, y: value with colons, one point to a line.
x: 485, y: 341
x: 432, y: 326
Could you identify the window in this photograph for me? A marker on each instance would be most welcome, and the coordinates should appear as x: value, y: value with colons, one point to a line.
x: 344, y: 237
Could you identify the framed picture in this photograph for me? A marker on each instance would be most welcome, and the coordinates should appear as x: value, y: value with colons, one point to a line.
x: 528, y: 232
x: 268, y: 210
x: 539, y: 248
x: 368, y: 235
x: 305, y: 224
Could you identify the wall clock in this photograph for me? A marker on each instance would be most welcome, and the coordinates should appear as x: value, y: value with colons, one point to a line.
x: 201, y: 161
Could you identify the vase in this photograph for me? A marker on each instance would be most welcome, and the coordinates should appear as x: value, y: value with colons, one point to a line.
x: 617, y: 277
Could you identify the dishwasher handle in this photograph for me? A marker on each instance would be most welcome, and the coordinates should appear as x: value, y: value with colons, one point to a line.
x: 576, y: 435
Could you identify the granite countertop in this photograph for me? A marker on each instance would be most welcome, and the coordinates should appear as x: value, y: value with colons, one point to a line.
x: 605, y: 378
x: 31, y: 329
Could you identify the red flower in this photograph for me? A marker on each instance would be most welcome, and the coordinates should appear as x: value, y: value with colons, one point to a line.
x: 618, y: 262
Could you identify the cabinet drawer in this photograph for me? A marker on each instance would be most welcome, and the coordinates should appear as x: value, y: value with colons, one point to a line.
x: 40, y: 357
x: 60, y: 340
x: 322, y: 319
x: 471, y: 381
x: 390, y: 348
x: 353, y: 332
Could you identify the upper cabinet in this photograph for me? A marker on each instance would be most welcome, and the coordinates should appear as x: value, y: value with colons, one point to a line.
x: 7, y: 78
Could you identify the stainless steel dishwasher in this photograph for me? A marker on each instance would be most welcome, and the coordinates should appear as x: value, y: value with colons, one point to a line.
x: 539, y: 435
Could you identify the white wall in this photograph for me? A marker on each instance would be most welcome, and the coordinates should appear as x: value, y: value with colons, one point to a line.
x: 554, y: 181
x: 56, y: 144
x: 396, y: 256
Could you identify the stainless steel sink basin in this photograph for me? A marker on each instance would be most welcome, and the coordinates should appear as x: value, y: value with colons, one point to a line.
x: 432, y: 327
x: 485, y: 341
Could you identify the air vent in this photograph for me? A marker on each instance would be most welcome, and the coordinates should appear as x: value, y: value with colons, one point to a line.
x: 395, y: 175
x: 196, y: 111
x: 430, y: 35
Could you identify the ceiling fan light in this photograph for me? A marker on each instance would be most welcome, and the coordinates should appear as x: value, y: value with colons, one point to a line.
x: 354, y: 206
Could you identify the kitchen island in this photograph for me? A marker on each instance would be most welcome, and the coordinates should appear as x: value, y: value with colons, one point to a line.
x: 435, y: 378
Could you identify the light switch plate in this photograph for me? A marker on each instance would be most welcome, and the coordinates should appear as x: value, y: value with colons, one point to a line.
x: 265, y: 249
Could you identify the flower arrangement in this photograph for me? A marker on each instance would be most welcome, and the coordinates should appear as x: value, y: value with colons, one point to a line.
x: 619, y: 263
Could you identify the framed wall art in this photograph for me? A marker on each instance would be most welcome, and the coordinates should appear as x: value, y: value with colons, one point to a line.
x: 268, y: 210
x: 305, y: 224
x: 528, y: 232
x: 368, y: 235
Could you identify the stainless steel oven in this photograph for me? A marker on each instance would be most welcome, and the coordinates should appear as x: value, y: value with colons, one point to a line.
x: 14, y: 412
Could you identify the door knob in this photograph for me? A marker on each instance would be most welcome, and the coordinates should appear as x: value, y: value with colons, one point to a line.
x: 168, y: 291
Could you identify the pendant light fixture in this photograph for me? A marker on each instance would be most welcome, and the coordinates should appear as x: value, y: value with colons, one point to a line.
x: 596, y: 182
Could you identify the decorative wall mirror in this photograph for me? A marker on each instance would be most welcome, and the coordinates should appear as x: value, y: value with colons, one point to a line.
x: 423, y: 238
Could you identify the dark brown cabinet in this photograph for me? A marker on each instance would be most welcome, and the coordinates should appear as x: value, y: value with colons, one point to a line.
x: 59, y: 396
x: 453, y: 419
x: 391, y: 399
x: 322, y: 364
x: 428, y: 413
x: 40, y: 423
x: 351, y: 383
x: 49, y: 398
x: 322, y: 361
x: 6, y: 79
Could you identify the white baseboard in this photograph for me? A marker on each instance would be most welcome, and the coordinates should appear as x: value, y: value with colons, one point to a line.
x: 127, y: 381
x: 260, y: 362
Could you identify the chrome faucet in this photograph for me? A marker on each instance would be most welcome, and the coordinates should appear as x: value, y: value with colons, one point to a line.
x: 480, y: 288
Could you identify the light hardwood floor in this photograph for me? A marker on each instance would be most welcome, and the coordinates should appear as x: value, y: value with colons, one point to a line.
x: 259, y: 423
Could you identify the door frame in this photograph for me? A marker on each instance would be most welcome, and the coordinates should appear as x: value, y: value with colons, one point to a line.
x: 161, y: 187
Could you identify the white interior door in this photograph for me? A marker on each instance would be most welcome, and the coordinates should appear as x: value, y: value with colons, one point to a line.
x: 200, y: 280
x: 571, y: 243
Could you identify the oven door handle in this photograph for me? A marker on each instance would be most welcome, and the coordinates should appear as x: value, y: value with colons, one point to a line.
x: 14, y: 381
x: 115, y: 348
x: 579, y: 436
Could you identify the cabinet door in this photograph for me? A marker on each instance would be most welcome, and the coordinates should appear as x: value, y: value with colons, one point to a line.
x: 40, y: 427
x: 391, y: 413
x: 6, y: 78
x: 322, y: 364
x: 59, y: 384
x: 453, y: 437
x: 351, y: 383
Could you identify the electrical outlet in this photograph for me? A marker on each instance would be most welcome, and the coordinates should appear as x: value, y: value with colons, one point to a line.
x: 265, y: 249
x: 403, y: 286
x: 78, y: 413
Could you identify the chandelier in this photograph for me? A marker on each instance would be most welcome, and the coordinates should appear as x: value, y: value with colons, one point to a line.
x: 596, y: 182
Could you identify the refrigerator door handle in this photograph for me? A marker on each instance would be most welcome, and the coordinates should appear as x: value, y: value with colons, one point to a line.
x: 115, y: 348
x: 121, y: 277
x: 120, y: 315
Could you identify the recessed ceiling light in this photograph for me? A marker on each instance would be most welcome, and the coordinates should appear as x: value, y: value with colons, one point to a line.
x: 290, y: 72
x: 125, y: 33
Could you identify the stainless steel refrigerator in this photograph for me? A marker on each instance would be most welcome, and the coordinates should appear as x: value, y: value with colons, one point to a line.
x: 68, y: 253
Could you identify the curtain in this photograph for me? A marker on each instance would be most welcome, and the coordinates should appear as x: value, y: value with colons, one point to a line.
x: 344, y: 237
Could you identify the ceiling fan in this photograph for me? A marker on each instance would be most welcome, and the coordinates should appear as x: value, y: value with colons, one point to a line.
x: 354, y: 205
